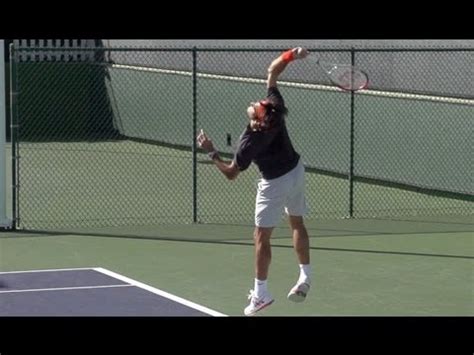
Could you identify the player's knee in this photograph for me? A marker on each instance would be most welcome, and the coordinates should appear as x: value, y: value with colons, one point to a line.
x: 262, y: 235
x: 296, y: 222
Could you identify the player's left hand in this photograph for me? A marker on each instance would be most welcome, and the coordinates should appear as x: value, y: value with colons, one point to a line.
x: 204, y: 142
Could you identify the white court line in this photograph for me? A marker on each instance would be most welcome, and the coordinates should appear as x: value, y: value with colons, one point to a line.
x: 119, y: 277
x: 160, y: 292
x: 63, y: 288
x: 46, y: 270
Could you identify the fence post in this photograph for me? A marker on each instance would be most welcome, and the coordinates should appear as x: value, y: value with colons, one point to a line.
x: 194, y: 54
x: 351, y: 167
x: 14, y: 132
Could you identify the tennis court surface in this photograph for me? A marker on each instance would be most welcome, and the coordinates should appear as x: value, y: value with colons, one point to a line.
x: 361, y: 267
x: 87, y: 292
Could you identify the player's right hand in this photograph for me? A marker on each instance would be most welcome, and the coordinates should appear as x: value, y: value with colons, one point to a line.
x: 300, y: 52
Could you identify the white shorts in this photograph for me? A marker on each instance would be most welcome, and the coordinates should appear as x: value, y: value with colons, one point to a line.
x: 285, y: 193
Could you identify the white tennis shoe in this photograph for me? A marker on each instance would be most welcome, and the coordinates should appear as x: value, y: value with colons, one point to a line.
x: 257, y: 303
x: 299, y: 291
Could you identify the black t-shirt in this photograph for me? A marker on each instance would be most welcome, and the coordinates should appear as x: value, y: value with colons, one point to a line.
x: 270, y: 149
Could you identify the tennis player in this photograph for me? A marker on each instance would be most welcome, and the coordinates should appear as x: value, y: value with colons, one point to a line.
x: 265, y: 141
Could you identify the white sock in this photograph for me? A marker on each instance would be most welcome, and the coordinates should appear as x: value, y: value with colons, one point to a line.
x: 260, y: 287
x: 305, y: 273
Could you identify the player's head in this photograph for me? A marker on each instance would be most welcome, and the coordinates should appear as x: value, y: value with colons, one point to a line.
x: 262, y: 113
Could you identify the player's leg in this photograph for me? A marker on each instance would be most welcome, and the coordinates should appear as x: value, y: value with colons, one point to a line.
x: 263, y: 252
x: 301, y: 245
x: 296, y: 208
x: 300, y: 239
x: 269, y: 206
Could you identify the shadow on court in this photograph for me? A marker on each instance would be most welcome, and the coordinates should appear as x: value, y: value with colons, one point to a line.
x: 241, y: 234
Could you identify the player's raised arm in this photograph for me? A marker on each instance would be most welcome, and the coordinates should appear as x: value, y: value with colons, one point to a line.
x: 279, y: 64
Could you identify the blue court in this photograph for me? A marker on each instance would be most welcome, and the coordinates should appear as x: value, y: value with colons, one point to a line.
x: 88, y: 292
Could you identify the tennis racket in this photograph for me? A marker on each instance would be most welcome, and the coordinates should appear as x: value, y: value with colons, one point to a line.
x: 344, y: 76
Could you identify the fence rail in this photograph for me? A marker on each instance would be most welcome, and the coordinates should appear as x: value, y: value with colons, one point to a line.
x: 46, y: 50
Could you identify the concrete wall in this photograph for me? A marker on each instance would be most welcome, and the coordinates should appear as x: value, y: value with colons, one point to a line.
x: 443, y: 73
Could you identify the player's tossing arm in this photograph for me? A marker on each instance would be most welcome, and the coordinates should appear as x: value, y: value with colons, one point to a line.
x: 229, y: 169
x: 279, y: 64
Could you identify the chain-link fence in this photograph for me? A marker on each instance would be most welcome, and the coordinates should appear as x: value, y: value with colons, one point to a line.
x: 109, y: 140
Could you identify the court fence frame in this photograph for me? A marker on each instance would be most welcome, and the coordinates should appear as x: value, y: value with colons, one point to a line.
x: 94, y: 55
